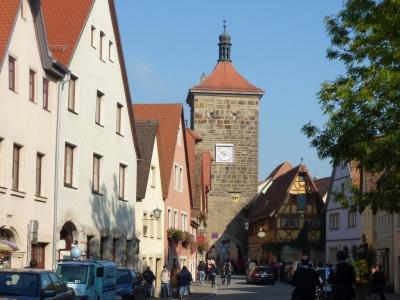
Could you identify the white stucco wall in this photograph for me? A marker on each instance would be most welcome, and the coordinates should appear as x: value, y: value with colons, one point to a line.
x: 26, y: 123
x: 151, y: 247
x: 344, y: 236
x: 98, y: 215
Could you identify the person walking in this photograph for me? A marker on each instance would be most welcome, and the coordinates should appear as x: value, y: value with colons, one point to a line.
x: 174, y: 281
x: 305, y: 281
x: 228, y: 272
x: 184, y: 279
x: 212, y: 274
x: 148, y: 277
x: 165, y: 281
x: 202, y: 271
x: 223, y: 274
x: 377, y: 282
x: 342, y: 278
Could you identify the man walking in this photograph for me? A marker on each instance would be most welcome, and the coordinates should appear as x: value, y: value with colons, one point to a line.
x: 184, y: 279
x: 377, y: 282
x: 165, y: 280
x: 342, y: 278
x: 228, y: 272
x: 305, y: 280
x: 148, y: 277
x: 202, y: 271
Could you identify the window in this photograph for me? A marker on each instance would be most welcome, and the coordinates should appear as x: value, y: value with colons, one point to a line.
x: 178, y: 178
x: 111, y: 51
x: 88, y: 248
x: 38, y: 254
x: 115, y: 243
x: 179, y: 138
x: 170, y: 225
x: 11, y: 73
x: 101, y: 44
x: 152, y: 220
x: 119, y: 118
x: 334, y: 221
x: 45, y: 94
x: 39, y: 160
x: 69, y: 164
x: 96, y: 173
x: 352, y: 219
x: 145, y: 224
x: 92, y: 35
x: 99, y: 99
x: 103, y: 241
x: 159, y: 228
x: 16, y: 166
x: 153, y: 176
x: 176, y: 221
x: 121, y: 189
x: 301, y: 202
x: 72, y: 93
x: 32, y: 79
x: 184, y: 221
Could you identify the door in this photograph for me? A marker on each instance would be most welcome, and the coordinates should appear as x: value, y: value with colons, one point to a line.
x: 38, y: 255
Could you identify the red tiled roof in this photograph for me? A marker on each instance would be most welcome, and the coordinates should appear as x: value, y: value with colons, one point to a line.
x: 323, y: 185
x: 226, y: 78
x: 64, y: 22
x: 168, y: 117
x: 8, y: 13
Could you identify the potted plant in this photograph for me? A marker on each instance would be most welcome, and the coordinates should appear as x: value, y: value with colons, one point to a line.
x: 187, y: 239
x: 202, y: 247
x: 175, y: 235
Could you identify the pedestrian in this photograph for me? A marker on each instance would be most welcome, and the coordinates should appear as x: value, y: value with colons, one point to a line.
x: 184, y: 280
x: 342, y: 278
x: 174, y: 281
x: 202, y: 271
x: 223, y: 274
x: 377, y: 282
x: 228, y: 272
x: 213, y: 274
x: 165, y: 281
x: 148, y: 277
x: 305, y: 279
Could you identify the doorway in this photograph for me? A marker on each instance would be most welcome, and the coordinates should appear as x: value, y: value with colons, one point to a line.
x: 38, y: 255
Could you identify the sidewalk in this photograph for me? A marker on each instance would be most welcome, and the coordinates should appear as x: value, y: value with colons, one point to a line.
x: 200, y: 291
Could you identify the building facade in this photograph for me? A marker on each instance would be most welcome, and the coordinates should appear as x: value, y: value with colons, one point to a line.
x: 175, y: 182
x: 149, y: 211
x: 96, y: 143
x: 29, y: 82
x: 343, y: 227
x: 285, y: 218
x: 224, y: 113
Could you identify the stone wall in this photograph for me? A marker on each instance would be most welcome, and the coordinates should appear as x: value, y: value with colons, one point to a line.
x: 228, y: 119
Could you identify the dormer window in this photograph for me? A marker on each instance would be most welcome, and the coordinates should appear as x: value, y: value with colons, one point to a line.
x: 101, y: 45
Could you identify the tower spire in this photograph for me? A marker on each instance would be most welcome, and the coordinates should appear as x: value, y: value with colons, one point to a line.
x: 224, y: 45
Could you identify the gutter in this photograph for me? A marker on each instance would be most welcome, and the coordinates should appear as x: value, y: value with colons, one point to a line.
x: 56, y: 158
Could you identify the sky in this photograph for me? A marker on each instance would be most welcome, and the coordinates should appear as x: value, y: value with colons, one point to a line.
x: 279, y: 46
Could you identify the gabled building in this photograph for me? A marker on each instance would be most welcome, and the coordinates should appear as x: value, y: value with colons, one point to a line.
x: 97, y: 148
x: 175, y: 180
x: 285, y: 217
x: 149, y: 210
x: 29, y: 85
x: 343, y: 226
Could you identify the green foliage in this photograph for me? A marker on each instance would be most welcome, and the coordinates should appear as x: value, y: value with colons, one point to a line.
x: 363, y: 106
x: 202, y: 247
x: 175, y: 235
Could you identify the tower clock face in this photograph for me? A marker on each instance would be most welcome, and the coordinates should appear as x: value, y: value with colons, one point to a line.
x: 224, y: 153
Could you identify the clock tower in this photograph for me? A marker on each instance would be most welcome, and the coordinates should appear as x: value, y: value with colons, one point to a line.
x: 224, y: 113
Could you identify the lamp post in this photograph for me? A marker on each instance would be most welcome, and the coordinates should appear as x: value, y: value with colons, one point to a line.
x: 157, y: 213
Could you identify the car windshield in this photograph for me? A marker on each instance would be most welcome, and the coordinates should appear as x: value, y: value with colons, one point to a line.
x: 123, y: 277
x: 19, y: 284
x: 263, y: 269
x: 73, y: 274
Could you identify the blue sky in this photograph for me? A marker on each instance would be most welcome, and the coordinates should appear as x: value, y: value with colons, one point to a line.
x: 279, y: 46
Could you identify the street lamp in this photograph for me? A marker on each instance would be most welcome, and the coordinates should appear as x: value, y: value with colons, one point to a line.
x: 157, y: 213
x: 246, y: 225
x: 261, y: 234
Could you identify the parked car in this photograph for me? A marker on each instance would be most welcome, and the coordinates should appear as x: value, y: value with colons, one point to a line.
x: 33, y: 284
x: 262, y: 274
x: 130, y: 284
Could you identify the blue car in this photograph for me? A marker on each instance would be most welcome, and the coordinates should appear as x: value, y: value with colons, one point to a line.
x: 130, y: 285
x: 30, y: 284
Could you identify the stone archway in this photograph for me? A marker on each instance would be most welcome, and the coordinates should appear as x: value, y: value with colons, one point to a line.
x: 8, y: 234
x: 69, y: 234
x: 227, y: 248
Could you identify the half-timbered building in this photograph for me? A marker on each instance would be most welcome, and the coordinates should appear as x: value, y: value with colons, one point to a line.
x: 285, y: 217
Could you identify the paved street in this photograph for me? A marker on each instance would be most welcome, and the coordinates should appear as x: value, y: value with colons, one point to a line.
x: 240, y: 290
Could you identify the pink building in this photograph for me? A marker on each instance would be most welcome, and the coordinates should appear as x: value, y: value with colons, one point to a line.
x: 179, y: 246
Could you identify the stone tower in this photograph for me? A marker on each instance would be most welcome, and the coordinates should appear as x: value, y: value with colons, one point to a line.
x: 224, y: 113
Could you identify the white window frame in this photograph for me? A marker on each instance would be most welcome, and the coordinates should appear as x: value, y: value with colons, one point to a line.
x: 332, y: 224
x: 153, y: 177
x: 170, y: 218
x: 352, y: 219
x: 176, y: 219
x: 145, y: 224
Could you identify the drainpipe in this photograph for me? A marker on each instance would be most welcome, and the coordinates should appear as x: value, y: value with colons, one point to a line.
x: 55, y: 220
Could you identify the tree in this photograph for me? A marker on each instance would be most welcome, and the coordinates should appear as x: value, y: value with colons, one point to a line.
x: 363, y: 106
